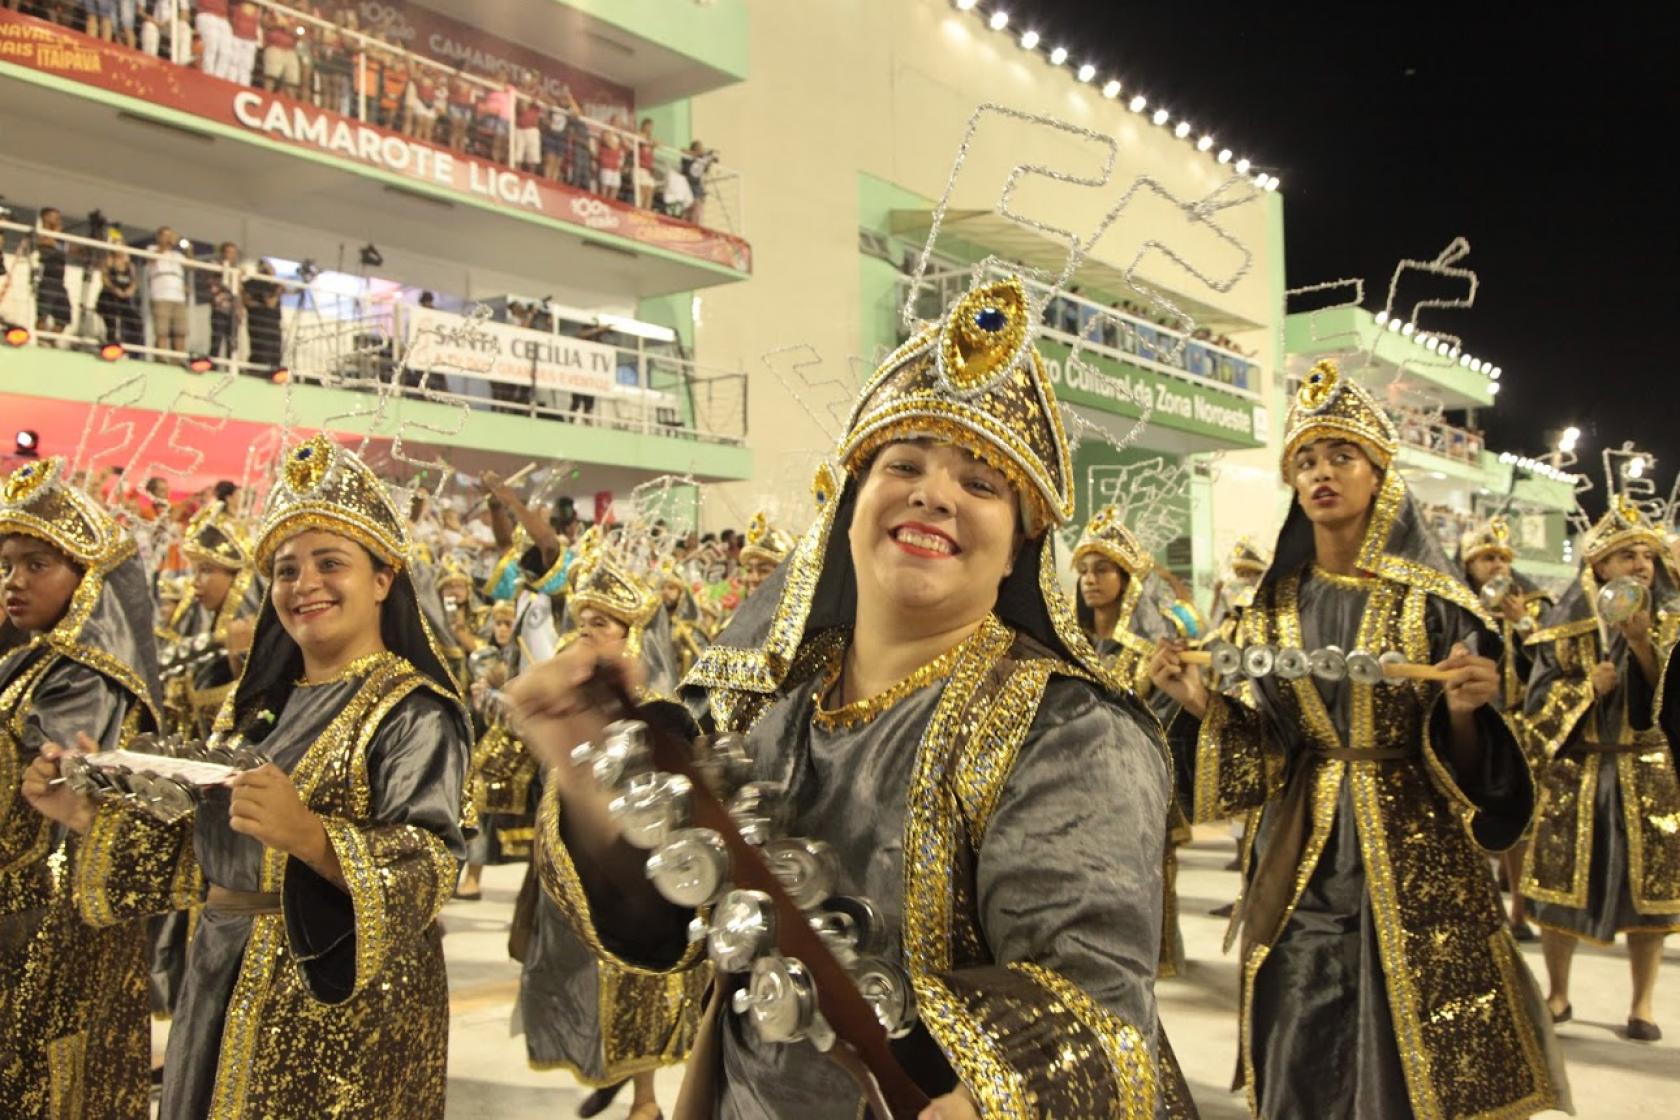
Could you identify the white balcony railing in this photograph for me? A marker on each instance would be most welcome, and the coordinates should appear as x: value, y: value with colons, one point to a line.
x: 346, y: 336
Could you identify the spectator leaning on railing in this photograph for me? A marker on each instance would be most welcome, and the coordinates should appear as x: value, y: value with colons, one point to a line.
x: 215, y: 37
x: 245, y: 22
x: 119, y: 300
x: 166, y: 287
x: 527, y: 127
x: 225, y: 303
x: 262, y: 315
x: 52, y: 299
x: 282, y: 70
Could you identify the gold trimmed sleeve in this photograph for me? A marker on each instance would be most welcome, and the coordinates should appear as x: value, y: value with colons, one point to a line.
x: 502, y: 772
x: 129, y: 866
x: 559, y: 878
x: 1029, y: 1043
x: 1239, y: 765
x: 398, y: 875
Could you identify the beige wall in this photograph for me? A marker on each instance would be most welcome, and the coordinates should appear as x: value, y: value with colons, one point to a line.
x: 886, y: 87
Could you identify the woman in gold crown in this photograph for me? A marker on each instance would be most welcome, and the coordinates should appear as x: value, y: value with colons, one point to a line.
x: 227, y: 595
x: 76, y: 654
x: 572, y: 1005
x: 1124, y: 623
x: 316, y: 983
x: 1379, y: 978
x: 915, y: 680
x: 1235, y: 589
x: 1486, y: 556
x: 763, y: 549
x: 1605, y: 856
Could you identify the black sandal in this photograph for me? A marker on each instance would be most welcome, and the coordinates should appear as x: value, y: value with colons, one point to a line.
x: 600, y: 1100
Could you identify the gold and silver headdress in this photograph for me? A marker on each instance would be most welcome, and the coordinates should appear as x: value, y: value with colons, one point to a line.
x: 215, y: 537
x: 765, y: 541
x: 1328, y: 406
x: 37, y: 500
x: 1624, y: 524
x: 975, y: 380
x: 1105, y: 534
x: 610, y: 589
x: 1248, y: 558
x: 1493, y: 538
x: 324, y: 486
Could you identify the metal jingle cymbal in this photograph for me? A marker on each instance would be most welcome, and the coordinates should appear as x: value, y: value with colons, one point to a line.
x: 743, y: 928
x: 691, y: 868
x: 807, y: 869
x: 1259, y: 660
x: 652, y: 807
x: 1291, y: 663
x: 780, y: 1000
x: 886, y: 989
x: 1363, y: 668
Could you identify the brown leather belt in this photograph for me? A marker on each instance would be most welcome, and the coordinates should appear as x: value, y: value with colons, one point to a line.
x: 225, y: 900
x: 1617, y: 748
x: 1364, y: 754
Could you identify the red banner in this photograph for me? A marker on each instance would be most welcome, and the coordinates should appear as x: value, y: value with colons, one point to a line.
x: 28, y: 42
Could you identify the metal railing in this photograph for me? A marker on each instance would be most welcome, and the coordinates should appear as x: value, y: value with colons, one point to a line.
x: 362, y: 76
x: 285, y: 329
x: 1108, y: 330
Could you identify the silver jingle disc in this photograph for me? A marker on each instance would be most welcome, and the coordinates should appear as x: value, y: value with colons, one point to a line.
x: 80, y: 777
x: 869, y: 926
x: 1328, y: 664
x: 146, y: 742
x: 172, y: 800
x: 767, y: 800
x: 691, y: 868
x: 743, y: 928
x: 781, y: 1000
x: 1258, y: 661
x: 1363, y: 668
x: 723, y: 763
x: 653, y: 806
x: 1291, y: 663
x: 1225, y: 659
x: 887, y: 991
x: 806, y: 869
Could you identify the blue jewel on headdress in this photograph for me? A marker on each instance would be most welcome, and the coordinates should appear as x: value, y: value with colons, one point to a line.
x: 305, y: 452
x: 26, y: 472
x: 990, y: 319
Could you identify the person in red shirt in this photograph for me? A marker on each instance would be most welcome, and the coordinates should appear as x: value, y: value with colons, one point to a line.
x: 246, y: 22
x: 610, y: 157
x: 644, y: 165
x: 215, y: 39
x: 463, y: 95
x: 281, y: 65
x: 527, y: 127
x: 421, y: 120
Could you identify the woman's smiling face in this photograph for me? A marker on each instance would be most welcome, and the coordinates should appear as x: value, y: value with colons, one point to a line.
x: 935, y: 530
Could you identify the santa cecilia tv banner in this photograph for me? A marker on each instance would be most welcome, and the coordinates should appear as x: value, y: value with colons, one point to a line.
x: 44, y: 48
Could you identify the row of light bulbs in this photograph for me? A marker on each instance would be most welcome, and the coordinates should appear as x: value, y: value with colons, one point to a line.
x: 1441, y: 346
x: 1535, y: 466
x: 1086, y: 72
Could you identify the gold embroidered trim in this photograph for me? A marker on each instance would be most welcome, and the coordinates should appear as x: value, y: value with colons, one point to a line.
x: 978, y: 1059
x: 860, y: 712
x: 363, y: 666
x: 1351, y: 583
x: 1128, y: 1054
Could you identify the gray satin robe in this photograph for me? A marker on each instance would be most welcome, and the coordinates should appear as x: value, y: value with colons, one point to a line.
x: 416, y: 762
x: 1323, y: 1037
x: 1069, y: 875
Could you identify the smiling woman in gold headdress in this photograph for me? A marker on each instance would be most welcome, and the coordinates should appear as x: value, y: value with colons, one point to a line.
x: 914, y: 679
x: 76, y: 655
x: 315, y: 983
x: 1376, y: 962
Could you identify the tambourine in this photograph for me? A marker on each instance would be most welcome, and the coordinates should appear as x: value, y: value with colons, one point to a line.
x: 1290, y: 663
x: 166, y: 776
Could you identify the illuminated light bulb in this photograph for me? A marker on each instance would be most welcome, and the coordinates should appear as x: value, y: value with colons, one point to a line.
x: 1465, y: 359
x: 1242, y: 166
x: 1495, y: 374
x: 1394, y: 324
x: 1493, y: 388
x: 1182, y: 130
x: 1029, y: 40
x: 1160, y: 116
x: 1204, y: 143
x: 1111, y: 89
x: 999, y: 20
x: 1138, y: 103
x: 1381, y: 317
x: 1407, y: 330
x: 966, y: 5
x: 1224, y: 155
x: 1058, y: 56
x: 1087, y: 72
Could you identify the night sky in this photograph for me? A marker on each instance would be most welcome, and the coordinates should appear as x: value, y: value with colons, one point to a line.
x: 1546, y: 139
